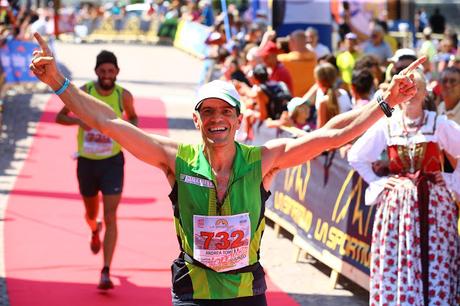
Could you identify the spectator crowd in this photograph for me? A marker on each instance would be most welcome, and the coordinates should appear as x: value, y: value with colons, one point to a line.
x: 272, y: 72
x: 298, y: 83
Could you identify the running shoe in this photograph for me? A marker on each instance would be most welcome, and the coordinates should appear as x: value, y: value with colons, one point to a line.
x: 105, y: 283
x: 95, y: 243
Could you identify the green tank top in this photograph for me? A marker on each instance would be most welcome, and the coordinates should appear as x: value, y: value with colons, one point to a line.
x: 194, y: 198
x: 93, y: 144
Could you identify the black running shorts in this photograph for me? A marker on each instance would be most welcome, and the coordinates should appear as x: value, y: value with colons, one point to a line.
x: 105, y: 175
x: 256, y: 300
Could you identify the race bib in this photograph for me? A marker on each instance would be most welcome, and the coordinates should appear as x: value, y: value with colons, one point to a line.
x: 94, y: 142
x: 222, y: 242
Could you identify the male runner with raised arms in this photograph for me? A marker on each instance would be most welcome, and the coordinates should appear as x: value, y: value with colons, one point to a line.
x: 219, y: 186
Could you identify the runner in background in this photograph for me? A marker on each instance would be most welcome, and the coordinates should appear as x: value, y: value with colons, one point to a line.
x: 100, y: 166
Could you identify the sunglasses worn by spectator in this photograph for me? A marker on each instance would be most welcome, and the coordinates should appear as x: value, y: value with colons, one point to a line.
x: 451, y: 81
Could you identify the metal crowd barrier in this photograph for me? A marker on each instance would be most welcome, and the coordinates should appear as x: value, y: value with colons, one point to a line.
x: 109, y: 29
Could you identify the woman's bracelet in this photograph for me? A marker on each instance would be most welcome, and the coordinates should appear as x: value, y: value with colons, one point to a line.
x: 387, y: 110
x: 63, y: 87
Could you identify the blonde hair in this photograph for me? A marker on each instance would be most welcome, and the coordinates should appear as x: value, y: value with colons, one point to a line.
x: 326, y: 75
x: 419, y: 75
x: 295, y: 113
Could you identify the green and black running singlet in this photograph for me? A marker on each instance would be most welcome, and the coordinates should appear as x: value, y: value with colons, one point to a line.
x: 220, y: 242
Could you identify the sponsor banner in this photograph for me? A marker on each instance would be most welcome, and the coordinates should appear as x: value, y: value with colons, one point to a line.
x: 191, y: 37
x: 15, y: 57
x: 323, y: 200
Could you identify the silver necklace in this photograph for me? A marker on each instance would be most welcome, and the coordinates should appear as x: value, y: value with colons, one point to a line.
x: 411, y: 143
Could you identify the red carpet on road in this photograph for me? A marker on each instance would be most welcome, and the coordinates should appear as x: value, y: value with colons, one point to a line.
x: 47, y: 255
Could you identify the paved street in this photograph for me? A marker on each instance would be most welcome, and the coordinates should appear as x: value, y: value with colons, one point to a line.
x: 171, y: 75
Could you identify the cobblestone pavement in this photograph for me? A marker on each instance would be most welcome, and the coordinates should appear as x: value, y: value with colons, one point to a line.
x: 307, y: 281
x: 20, y: 117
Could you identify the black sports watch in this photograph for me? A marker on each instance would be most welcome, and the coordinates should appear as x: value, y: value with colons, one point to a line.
x: 387, y: 110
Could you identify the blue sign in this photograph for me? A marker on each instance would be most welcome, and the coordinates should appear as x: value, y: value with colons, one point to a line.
x: 15, y: 58
x: 291, y: 15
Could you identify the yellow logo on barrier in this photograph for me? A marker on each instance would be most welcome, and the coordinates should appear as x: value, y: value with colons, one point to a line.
x: 358, y: 215
x: 294, y: 178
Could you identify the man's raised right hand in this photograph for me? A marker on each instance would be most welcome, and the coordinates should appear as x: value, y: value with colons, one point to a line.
x: 44, y: 66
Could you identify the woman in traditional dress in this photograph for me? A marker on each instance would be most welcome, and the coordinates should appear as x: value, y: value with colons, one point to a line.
x: 415, y: 256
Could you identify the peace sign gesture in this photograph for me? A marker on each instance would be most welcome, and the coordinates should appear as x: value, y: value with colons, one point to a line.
x: 43, y: 65
x: 402, y: 87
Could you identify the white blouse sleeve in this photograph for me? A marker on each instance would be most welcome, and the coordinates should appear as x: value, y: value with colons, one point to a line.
x: 448, y: 133
x: 363, y: 153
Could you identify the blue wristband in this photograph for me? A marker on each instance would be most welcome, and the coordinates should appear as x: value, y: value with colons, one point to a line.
x: 63, y: 87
